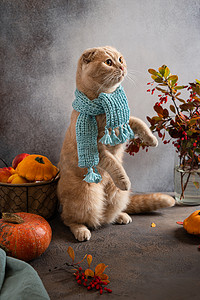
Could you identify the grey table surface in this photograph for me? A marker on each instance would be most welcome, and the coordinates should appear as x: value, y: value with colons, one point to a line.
x: 144, y: 262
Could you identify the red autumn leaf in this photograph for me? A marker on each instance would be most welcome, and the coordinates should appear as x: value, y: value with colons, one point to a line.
x: 89, y: 273
x: 165, y: 113
x: 70, y: 251
x: 172, y: 108
x: 100, y: 268
x: 89, y: 259
x: 158, y: 109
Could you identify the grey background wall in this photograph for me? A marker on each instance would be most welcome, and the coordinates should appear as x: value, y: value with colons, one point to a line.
x: 40, y: 43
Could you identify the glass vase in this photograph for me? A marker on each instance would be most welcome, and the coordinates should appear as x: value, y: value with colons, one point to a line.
x: 187, y: 186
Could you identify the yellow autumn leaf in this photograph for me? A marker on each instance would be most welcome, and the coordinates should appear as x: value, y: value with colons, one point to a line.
x: 70, y: 251
x: 105, y: 281
x: 89, y: 272
x: 103, y: 277
x: 153, y: 225
x: 100, y: 268
x: 89, y: 259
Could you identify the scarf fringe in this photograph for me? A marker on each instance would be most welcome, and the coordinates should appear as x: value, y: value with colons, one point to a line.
x: 114, y: 139
x: 106, y: 140
x: 92, y: 177
x: 125, y: 133
x: 130, y: 132
x: 122, y: 136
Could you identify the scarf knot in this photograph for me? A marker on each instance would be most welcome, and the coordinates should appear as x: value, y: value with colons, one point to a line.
x: 115, y: 106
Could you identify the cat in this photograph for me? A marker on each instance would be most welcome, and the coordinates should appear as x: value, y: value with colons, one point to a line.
x: 86, y: 205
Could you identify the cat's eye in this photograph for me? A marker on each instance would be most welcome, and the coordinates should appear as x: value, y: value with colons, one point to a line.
x: 108, y: 62
x: 121, y: 60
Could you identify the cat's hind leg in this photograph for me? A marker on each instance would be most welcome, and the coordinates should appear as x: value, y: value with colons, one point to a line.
x: 82, y: 205
x: 116, y: 202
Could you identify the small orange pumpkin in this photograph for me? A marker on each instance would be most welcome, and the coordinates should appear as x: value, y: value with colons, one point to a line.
x: 36, y: 167
x: 192, y: 223
x: 24, y: 235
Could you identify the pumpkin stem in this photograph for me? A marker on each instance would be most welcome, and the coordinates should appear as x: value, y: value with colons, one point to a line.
x: 39, y: 160
x: 12, y: 218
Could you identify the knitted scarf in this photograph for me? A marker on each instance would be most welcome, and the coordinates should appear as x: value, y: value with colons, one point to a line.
x: 115, y: 106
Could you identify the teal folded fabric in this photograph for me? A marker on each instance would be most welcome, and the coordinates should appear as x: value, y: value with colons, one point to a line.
x: 19, y: 281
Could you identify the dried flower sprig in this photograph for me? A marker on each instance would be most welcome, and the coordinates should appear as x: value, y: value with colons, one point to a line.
x: 92, y: 280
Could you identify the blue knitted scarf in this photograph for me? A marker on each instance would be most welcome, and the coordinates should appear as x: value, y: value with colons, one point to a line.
x: 115, y: 106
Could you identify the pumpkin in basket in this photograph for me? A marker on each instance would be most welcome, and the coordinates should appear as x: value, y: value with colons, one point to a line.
x: 36, y: 168
x: 192, y: 223
x: 23, y: 235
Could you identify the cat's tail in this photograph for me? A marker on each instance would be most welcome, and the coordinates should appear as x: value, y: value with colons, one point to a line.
x: 148, y: 202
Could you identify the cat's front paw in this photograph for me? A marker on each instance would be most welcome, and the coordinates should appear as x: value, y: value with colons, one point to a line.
x: 81, y: 232
x: 151, y: 141
x: 123, y: 183
x: 123, y: 218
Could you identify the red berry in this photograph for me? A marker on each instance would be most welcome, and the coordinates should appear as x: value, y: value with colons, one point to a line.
x: 84, y: 283
x: 89, y: 288
x: 79, y: 281
x: 97, y: 287
x: 101, y: 291
x: 77, y: 277
x: 109, y: 290
x: 80, y: 269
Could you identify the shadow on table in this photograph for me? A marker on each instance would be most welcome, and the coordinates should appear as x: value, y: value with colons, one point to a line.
x: 184, y: 237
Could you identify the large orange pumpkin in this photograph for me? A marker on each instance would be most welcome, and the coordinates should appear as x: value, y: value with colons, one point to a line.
x: 23, y: 235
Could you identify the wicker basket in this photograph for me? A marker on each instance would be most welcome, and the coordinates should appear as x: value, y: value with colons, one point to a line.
x: 37, y: 198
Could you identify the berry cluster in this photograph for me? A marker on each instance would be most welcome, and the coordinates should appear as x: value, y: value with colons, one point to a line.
x: 95, y: 283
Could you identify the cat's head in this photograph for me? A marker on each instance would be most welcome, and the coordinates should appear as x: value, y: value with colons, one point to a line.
x: 99, y: 70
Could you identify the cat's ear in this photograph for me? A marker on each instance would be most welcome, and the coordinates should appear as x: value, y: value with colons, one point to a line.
x: 88, y: 55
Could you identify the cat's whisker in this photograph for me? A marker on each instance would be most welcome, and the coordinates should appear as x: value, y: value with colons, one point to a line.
x: 107, y: 80
x: 134, y: 71
x: 131, y: 80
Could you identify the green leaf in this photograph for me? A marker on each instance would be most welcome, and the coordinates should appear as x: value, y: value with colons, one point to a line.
x: 167, y: 72
x: 161, y: 90
x: 156, y: 78
x: 173, y: 79
x: 197, y: 150
x: 196, y: 184
x: 179, y: 99
x: 153, y: 72
x: 172, y: 108
x: 162, y: 70
x: 179, y: 87
x: 157, y: 119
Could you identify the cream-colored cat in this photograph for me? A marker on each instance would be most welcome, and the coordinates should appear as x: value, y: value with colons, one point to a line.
x: 90, y: 205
